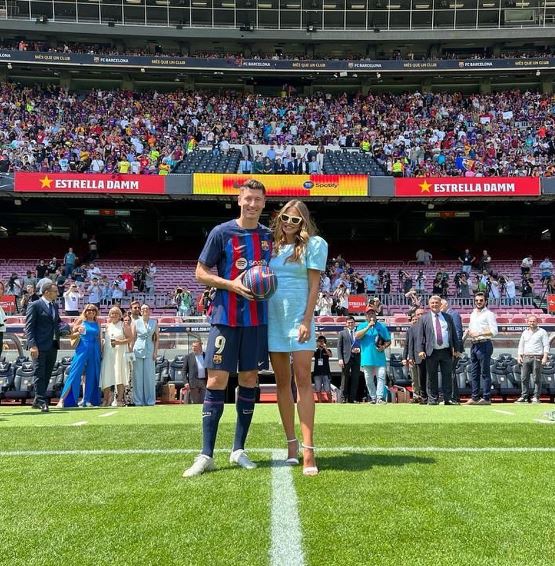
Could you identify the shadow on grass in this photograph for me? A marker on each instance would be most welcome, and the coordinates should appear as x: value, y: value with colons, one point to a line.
x: 35, y: 412
x: 359, y: 462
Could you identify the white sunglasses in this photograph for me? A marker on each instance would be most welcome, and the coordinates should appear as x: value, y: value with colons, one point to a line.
x: 295, y: 220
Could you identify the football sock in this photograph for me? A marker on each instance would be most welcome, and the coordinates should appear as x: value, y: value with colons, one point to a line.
x: 245, y: 409
x: 212, y: 410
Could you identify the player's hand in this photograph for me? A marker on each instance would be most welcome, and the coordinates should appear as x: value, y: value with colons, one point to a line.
x: 405, y: 362
x: 236, y: 286
x: 421, y: 355
x: 304, y: 333
x: 340, y: 363
x: 519, y: 359
x: 34, y: 351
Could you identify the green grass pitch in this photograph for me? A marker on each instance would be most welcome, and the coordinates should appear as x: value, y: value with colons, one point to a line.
x: 392, y: 491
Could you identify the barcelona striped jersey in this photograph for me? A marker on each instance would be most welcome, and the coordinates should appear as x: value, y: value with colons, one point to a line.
x: 233, y: 250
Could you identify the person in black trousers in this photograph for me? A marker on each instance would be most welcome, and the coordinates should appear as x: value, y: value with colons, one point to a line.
x: 415, y: 365
x: 437, y: 344
x: 42, y: 330
x: 348, y: 353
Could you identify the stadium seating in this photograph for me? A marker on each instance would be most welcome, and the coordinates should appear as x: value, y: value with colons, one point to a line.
x: 398, y: 371
x: 206, y: 161
x: 22, y: 388
x: 340, y: 162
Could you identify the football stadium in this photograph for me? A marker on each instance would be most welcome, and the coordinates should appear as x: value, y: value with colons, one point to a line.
x: 276, y: 282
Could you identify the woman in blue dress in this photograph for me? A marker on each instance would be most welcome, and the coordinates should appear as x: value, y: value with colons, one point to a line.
x: 298, y: 258
x: 87, y: 359
x: 145, y: 347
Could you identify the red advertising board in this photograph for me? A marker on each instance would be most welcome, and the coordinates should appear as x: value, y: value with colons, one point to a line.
x: 551, y: 303
x: 7, y: 302
x: 467, y: 187
x: 89, y: 184
x: 357, y: 303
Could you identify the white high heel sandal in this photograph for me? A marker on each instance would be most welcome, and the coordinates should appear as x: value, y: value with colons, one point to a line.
x: 293, y: 461
x: 310, y: 470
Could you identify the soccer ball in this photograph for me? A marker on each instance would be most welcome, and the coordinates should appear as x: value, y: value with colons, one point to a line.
x: 261, y: 281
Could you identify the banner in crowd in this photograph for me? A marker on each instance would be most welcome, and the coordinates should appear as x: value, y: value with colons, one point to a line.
x: 357, y: 303
x: 467, y: 187
x: 270, y: 65
x: 87, y: 184
x: 284, y: 185
x: 551, y: 304
x: 7, y: 302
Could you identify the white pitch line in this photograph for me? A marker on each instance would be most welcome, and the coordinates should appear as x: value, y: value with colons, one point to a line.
x: 352, y: 449
x: 108, y: 414
x: 286, y: 548
x: 79, y: 423
x: 543, y: 421
x: 503, y: 412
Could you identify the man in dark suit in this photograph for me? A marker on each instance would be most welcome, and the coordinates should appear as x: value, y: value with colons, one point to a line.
x: 195, y: 373
x: 416, y: 366
x: 437, y: 344
x: 457, y: 321
x: 348, y: 353
x: 42, y: 330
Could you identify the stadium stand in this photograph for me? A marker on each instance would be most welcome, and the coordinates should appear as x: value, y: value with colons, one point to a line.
x: 406, y: 134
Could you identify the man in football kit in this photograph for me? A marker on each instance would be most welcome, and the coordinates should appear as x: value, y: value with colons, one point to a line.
x: 238, y: 336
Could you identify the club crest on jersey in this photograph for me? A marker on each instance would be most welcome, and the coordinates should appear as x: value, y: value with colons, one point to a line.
x: 217, y: 359
x: 265, y: 245
x: 241, y: 263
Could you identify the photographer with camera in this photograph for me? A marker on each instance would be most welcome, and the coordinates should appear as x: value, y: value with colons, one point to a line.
x: 322, y: 372
x: 386, y: 283
x: 403, y: 276
x: 420, y: 282
x: 183, y: 301
x: 374, y: 339
x: 527, y: 286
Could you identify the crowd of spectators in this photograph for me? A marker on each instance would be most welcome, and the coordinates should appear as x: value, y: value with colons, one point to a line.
x: 77, y: 281
x: 412, y: 288
x: 413, y: 134
x: 276, y: 54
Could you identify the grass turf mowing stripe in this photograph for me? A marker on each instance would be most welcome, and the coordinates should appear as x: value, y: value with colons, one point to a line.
x: 286, y: 547
x: 503, y: 412
x: 108, y: 414
x: 356, y: 449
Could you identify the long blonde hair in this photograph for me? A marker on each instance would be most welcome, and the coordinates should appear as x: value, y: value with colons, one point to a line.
x: 83, y: 316
x: 307, y: 229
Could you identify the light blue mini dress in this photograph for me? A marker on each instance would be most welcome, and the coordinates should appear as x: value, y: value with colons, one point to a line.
x: 287, y: 306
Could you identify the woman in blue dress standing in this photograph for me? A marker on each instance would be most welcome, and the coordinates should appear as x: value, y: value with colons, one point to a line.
x: 145, y: 347
x: 299, y: 255
x: 86, y: 358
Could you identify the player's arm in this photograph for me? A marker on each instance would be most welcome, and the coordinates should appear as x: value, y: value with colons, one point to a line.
x: 204, y: 275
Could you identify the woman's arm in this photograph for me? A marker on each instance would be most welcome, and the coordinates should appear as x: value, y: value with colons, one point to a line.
x: 313, y: 290
x: 155, y: 339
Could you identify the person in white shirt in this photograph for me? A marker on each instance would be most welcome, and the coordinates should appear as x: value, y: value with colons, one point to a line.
x: 526, y: 264
x: 118, y: 290
x: 324, y: 304
x: 71, y: 300
x: 481, y: 329
x: 95, y: 293
x: 93, y: 271
x: 510, y: 290
x: 533, y: 349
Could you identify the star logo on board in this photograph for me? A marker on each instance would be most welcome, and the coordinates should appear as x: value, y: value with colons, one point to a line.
x: 425, y: 186
x: 45, y: 182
